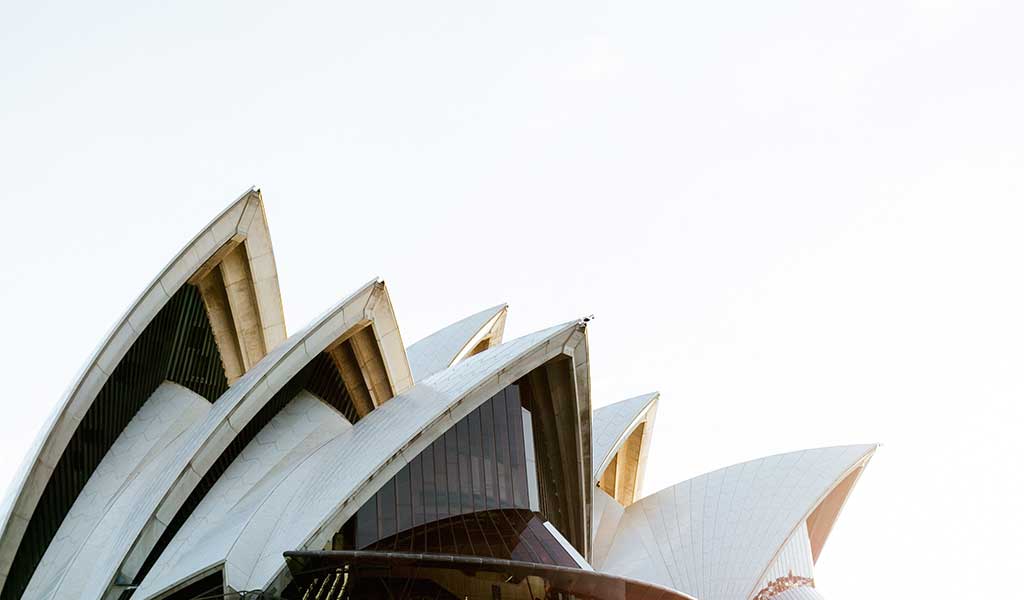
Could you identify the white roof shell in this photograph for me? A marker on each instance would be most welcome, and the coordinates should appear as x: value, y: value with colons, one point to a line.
x: 716, y: 535
x: 447, y: 346
x: 612, y: 425
x: 242, y: 219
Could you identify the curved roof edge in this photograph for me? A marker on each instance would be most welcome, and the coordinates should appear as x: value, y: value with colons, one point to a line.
x: 651, y: 540
x: 447, y: 346
x: 837, y: 494
x: 243, y: 219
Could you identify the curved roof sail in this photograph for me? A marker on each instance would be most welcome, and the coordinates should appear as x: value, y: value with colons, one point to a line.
x: 622, y: 437
x: 461, y: 339
x: 212, y: 312
x: 715, y: 536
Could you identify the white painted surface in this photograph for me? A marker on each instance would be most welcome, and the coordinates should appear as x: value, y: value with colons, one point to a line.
x: 612, y: 425
x: 715, y: 535
x: 302, y: 426
x: 795, y: 557
x: 122, y: 477
x: 607, y: 514
x: 439, y: 350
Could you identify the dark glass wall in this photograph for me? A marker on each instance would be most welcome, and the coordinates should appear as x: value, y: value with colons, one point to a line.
x: 510, y: 534
x: 478, y: 465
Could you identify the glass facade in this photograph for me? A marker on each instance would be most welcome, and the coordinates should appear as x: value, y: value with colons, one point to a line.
x: 479, y: 465
x: 507, y: 534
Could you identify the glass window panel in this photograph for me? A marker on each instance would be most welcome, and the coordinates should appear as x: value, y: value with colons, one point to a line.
x: 490, y: 469
x: 451, y: 455
x: 477, y: 461
x: 502, y: 459
x: 403, y: 497
x: 386, y: 513
x: 465, y: 479
x: 536, y: 544
x: 416, y: 487
x: 493, y: 532
x: 366, y: 524
x: 517, y: 448
x: 429, y: 489
x: 440, y: 478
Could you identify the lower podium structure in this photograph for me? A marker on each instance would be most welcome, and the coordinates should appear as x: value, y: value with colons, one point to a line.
x: 205, y: 453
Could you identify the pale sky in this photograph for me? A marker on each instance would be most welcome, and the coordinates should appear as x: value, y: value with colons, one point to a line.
x: 800, y: 221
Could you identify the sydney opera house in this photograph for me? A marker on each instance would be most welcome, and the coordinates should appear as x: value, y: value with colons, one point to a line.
x: 205, y: 452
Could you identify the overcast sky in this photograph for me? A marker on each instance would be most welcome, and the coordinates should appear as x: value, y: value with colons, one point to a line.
x: 800, y: 221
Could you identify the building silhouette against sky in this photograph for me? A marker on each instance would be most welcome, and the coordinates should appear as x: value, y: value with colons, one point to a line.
x: 205, y: 452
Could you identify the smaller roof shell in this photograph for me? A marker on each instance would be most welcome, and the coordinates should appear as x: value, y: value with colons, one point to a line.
x: 614, y: 423
x: 445, y: 347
